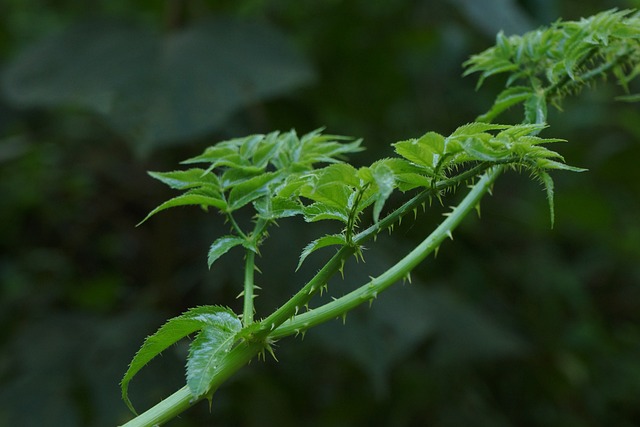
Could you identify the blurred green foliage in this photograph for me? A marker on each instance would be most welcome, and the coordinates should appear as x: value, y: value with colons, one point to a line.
x: 513, y: 324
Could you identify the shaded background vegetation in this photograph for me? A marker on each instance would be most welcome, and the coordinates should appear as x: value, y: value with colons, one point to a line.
x: 513, y: 324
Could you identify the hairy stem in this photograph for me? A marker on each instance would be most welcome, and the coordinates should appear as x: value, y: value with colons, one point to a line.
x: 400, y: 270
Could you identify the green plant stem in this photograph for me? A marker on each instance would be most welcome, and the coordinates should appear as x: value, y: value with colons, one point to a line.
x: 249, y: 269
x: 400, y: 270
x: 304, y: 295
x: 182, y: 399
x: 236, y: 227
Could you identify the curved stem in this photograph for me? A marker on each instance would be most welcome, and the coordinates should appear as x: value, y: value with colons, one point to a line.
x: 236, y: 227
x: 182, y: 399
x: 303, y: 296
x: 399, y: 271
x: 168, y: 408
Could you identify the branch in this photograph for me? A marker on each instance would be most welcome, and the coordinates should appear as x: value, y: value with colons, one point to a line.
x: 400, y: 270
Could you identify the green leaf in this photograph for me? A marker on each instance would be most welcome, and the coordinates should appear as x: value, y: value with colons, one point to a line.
x: 221, y: 246
x: 548, y: 186
x: 209, y: 349
x: 535, y: 108
x: 483, y: 151
x: 552, y: 164
x: 248, y: 191
x: 182, y: 180
x: 267, y: 149
x: 277, y: 207
x: 171, y: 332
x: 236, y: 175
x: 332, y: 185
x: 151, y: 87
x: 474, y: 128
x: 190, y: 198
x: 406, y: 174
x: 385, y: 180
x: 425, y: 151
x: 505, y: 100
x: 320, y: 211
x: 329, y: 240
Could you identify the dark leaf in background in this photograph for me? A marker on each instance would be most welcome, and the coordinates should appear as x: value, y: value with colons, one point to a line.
x: 405, y: 318
x: 157, y: 89
x: 492, y: 16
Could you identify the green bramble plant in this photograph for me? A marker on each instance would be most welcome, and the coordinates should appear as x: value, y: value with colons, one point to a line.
x: 282, y: 175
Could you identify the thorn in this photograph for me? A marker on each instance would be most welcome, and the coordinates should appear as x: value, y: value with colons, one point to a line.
x: 270, y: 350
x: 435, y: 251
x: 408, y: 277
x: 415, y: 213
x: 296, y: 311
x: 370, y: 302
x: 240, y: 295
x: 450, y: 234
x: 478, y: 209
x: 490, y: 190
x: 344, y: 318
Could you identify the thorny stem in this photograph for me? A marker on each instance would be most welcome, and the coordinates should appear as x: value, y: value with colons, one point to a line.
x: 285, y: 321
x: 304, y: 295
x: 241, y: 354
x: 400, y: 270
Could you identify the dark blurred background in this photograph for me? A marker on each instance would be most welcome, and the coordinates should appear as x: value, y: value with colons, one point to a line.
x: 513, y: 324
